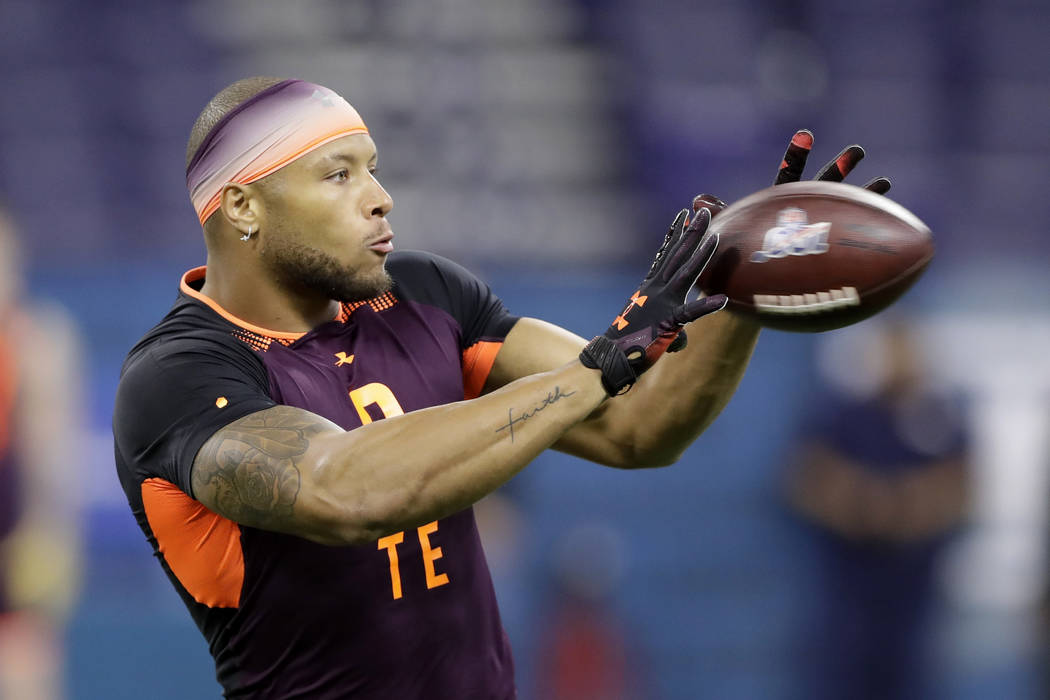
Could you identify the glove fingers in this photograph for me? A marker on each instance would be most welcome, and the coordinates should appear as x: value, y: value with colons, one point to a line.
x: 674, y: 234
x: 844, y: 162
x: 697, y: 308
x: 795, y: 157
x: 687, y: 244
x: 686, y: 275
x: 710, y: 201
x: 880, y: 185
x: 679, y: 342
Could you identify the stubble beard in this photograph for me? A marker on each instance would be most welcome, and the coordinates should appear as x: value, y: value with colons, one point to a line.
x: 305, y: 269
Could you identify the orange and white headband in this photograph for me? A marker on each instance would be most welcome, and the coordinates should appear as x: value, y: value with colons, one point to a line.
x: 265, y: 133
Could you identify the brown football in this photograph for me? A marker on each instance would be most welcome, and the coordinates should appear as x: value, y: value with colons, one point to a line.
x: 813, y: 256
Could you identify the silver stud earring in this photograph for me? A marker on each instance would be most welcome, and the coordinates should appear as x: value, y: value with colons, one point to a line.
x: 248, y: 236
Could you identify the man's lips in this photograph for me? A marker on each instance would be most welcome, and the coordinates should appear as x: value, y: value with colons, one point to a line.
x: 382, y: 244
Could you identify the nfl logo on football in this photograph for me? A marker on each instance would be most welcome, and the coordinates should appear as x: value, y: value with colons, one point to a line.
x: 793, y: 236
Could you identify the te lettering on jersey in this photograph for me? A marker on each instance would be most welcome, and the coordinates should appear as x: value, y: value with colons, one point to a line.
x: 381, y: 396
x: 430, y: 555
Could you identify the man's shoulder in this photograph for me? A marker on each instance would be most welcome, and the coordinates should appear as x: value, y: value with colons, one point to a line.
x: 431, y: 278
x: 187, y: 328
x: 189, y: 352
x: 408, y: 266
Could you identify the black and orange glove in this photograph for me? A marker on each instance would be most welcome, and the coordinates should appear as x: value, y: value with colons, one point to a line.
x: 651, y: 322
x: 794, y: 162
x: 835, y: 171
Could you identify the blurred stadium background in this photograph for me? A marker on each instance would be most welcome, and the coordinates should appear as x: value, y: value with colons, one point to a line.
x: 546, y: 144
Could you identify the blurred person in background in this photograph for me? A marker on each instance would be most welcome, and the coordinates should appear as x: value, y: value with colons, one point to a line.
x: 882, y: 480
x: 39, y: 537
x: 585, y: 652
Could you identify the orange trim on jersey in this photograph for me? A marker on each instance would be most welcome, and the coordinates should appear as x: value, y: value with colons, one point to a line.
x: 197, y: 274
x: 258, y: 337
x: 203, y: 549
x: 478, y: 360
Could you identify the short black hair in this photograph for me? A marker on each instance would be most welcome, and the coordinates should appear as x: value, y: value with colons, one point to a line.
x: 221, y: 105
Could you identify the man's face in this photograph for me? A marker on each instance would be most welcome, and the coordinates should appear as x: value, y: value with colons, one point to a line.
x: 324, y: 227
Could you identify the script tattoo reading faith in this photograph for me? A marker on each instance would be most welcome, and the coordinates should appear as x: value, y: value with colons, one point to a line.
x: 552, y: 398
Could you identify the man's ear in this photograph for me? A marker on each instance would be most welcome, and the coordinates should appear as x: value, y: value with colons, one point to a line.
x: 240, y: 205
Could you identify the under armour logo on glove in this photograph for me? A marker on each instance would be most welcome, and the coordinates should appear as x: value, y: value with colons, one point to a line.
x: 621, y: 321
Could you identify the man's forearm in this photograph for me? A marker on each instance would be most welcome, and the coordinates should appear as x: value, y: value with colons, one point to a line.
x: 674, y: 402
x: 431, y: 463
x: 685, y: 392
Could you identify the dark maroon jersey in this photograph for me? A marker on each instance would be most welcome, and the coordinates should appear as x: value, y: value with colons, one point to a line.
x: 410, y: 616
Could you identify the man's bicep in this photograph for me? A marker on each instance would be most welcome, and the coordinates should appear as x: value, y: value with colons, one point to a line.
x: 251, y: 471
x: 532, y: 346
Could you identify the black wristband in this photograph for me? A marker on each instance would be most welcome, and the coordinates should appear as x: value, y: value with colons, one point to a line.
x: 605, y: 355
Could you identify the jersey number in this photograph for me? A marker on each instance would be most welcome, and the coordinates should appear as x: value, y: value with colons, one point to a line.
x: 381, y: 396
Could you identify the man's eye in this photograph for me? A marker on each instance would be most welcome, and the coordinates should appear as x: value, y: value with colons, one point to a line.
x: 373, y: 170
x: 339, y: 176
